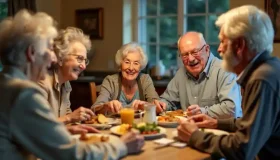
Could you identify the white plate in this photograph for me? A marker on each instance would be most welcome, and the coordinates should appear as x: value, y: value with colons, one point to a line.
x: 111, y: 121
x: 162, y: 131
x: 171, y: 124
x: 214, y: 131
x: 111, y: 137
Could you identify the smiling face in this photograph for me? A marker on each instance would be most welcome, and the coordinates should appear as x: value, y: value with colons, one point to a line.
x: 194, y: 53
x: 69, y: 66
x: 130, y: 66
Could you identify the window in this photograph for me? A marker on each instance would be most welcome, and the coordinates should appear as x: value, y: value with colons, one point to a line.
x: 161, y: 22
x: 3, y: 9
x: 3, y: 14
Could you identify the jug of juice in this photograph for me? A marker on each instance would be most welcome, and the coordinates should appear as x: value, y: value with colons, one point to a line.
x: 127, y: 115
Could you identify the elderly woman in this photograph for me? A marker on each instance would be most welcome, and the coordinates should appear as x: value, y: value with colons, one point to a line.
x: 71, y: 48
x: 129, y: 87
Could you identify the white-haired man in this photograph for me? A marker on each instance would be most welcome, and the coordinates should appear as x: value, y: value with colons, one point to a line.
x: 201, y: 85
x: 246, y: 35
x: 27, y: 125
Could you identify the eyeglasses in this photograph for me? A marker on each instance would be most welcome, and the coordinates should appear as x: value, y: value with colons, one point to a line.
x: 194, y: 53
x: 80, y: 59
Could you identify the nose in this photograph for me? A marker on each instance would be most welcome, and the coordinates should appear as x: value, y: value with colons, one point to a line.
x: 191, y: 57
x: 220, y: 50
x: 82, y: 66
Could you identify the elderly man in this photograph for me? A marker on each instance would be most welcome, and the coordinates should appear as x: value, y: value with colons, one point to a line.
x: 202, y: 86
x: 246, y: 36
x: 27, y: 125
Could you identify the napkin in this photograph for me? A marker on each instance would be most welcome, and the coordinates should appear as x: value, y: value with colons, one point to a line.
x: 169, y: 142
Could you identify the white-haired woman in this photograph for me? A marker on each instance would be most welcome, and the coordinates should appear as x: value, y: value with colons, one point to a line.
x: 129, y: 87
x: 71, y: 48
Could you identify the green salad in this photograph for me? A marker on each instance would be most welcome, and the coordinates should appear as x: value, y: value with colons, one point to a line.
x: 146, y: 128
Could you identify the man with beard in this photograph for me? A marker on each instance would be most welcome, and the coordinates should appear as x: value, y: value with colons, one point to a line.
x: 246, y: 35
x: 201, y: 86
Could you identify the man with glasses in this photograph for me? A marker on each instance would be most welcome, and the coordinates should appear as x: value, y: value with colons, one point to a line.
x: 201, y: 86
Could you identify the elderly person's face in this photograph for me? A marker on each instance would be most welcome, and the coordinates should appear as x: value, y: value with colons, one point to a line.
x: 74, y: 62
x: 226, y: 52
x: 42, y: 61
x: 130, y: 66
x: 194, y: 55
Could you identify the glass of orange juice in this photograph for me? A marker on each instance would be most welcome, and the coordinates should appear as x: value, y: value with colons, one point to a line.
x: 127, y: 115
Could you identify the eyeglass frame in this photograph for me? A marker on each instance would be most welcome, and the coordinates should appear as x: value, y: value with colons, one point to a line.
x: 193, y: 53
x: 79, y: 60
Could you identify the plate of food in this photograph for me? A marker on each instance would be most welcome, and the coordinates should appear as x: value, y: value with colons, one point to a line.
x: 102, y: 122
x: 170, y: 119
x: 94, y: 137
x: 214, y: 131
x: 149, y: 131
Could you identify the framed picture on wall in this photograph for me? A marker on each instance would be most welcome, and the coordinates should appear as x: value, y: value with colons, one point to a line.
x: 91, y: 22
x: 272, y: 7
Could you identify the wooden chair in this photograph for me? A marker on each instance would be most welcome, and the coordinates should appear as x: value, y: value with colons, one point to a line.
x: 92, y: 91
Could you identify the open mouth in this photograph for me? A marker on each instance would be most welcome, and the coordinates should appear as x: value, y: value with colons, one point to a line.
x: 193, y: 64
x: 76, y: 70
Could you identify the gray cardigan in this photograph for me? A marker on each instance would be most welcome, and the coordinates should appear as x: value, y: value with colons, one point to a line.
x: 111, y: 88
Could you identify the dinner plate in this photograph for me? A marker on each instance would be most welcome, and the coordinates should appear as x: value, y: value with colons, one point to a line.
x: 162, y: 131
x: 111, y: 122
x: 214, y: 131
x: 170, y: 124
x: 111, y: 137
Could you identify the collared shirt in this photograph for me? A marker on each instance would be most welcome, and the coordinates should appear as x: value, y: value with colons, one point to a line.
x: 28, y: 127
x: 215, y: 91
x: 57, y: 95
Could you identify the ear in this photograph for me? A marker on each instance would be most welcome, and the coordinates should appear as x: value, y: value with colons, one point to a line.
x: 30, y: 54
x: 240, y: 47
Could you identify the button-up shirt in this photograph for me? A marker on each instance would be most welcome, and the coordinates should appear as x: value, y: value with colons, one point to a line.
x: 57, y: 95
x: 215, y: 91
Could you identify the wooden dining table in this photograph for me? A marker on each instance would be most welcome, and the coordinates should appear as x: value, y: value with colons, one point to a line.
x: 151, y: 151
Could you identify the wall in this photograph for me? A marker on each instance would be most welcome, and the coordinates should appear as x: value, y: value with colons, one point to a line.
x: 260, y: 4
x: 52, y: 7
x: 103, y: 60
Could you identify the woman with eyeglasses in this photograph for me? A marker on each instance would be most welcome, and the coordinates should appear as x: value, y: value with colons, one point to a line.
x: 70, y: 47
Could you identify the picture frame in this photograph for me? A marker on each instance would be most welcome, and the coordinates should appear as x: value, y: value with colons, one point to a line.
x: 91, y: 22
x: 272, y: 8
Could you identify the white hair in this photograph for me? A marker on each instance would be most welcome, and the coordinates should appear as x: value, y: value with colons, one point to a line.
x: 21, y: 31
x: 66, y: 37
x: 251, y: 23
x: 128, y: 48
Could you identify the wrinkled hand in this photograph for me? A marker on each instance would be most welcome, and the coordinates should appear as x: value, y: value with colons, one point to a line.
x: 81, y: 114
x: 113, y: 106
x: 186, y: 129
x: 78, y: 129
x: 133, y: 141
x: 161, y: 106
x: 204, y: 121
x: 138, y: 104
x: 193, y: 110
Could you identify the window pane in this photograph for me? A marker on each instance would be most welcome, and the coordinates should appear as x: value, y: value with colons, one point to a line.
x: 151, y: 7
x: 213, y: 31
x: 196, y: 23
x: 151, y: 30
x: 168, y: 30
x: 195, y: 6
x: 168, y: 7
x: 3, y: 10
x: 168, y: 56
x: 214, y: 50
x: 223, y: 6
x: 152, y: 54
